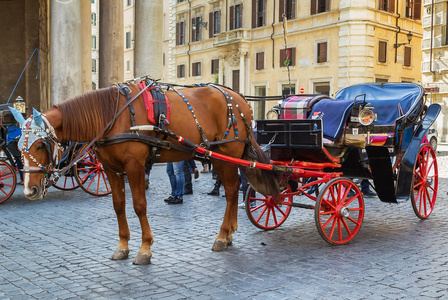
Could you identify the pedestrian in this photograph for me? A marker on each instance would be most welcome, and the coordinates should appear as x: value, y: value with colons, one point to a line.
x: 206, y: 166
x: 215, y: 191
x: 365, y: 188
x: 175, y: 171
x: 189, y: 167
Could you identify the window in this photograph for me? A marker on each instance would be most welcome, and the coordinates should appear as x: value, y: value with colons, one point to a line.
x: 381, y: 80
x: 382, y: 52
x: 93, y: 16
x: 128, y: 40
x: 387, y: 5
x: 196, y: 29
x: 93, y: 65
x: 93, y: 1
x: 287, y: 7
x: 180, y: 33
x: 258, y: 13
x: 214, y: 23
x: 181, y: 71
x: 215, y: 66
x: 414, y: 9
x: 179, y: 1
x: 322, y: 88
x: 196, y: 69
x: 128, y: 66
x: 259, y: 60
x: 93, y: 83
x: 322, y: 50
x: 407, y: 56
x: 288, y: 89
x: 93, y: 41
x: 287, y: 57
x: 128, y: 2
x: 320, y: 6
x: 236, y: 16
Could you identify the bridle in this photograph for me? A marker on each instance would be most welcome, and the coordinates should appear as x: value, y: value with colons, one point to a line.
x: 51, y: 142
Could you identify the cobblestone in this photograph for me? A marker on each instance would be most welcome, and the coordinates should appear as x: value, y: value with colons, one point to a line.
x: 59, y: 247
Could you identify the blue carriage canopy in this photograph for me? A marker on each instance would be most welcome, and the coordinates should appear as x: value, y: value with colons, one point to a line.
x: 390, y: 100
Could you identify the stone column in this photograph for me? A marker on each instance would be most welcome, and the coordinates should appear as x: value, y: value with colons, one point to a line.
x: 148, y: 47
x: 242, y: 72
x: 111, y: 43
x: 86, y: 45
x: 65, y: 50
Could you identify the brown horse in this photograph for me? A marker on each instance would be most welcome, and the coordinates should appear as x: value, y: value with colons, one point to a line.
x: 85, y: 117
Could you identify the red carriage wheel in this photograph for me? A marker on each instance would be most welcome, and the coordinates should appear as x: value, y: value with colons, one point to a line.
x: 68, y: 181
x: 339, y: 211
x: 8, y: 181
x: 425, y: 182
x: 91, y: 176
x: 264, y: 211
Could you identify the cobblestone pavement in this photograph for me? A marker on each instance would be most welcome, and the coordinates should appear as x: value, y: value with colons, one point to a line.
x: 59, y: 248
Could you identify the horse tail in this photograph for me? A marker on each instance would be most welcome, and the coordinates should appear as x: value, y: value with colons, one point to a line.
x: 263, y: 181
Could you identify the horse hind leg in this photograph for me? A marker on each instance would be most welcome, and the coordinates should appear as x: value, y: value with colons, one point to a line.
x: 228, y: 173
x: 119, y: 201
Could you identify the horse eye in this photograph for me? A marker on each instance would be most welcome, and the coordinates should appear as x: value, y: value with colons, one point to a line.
x: 41, y: 146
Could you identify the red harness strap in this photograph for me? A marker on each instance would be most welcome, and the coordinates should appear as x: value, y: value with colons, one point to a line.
x: 149, y: 101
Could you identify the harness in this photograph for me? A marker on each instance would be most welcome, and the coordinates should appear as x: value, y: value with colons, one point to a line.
x: 50, y: 141
x: 156, y: 143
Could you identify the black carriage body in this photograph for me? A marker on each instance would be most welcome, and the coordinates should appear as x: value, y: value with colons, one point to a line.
x: 364, y: 151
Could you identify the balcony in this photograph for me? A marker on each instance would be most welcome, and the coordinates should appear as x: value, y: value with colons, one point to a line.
x: 438, y: 20
x: 232, y: 37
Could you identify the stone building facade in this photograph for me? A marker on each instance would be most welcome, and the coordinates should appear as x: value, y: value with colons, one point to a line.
x: 325, y: 44
x: 435, y: 59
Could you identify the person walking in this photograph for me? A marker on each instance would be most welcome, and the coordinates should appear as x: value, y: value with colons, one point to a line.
x: 175, y: 171
x: 189, y: 167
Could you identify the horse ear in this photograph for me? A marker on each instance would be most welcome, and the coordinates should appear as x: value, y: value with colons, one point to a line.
x: 17, y: 115
x: 37, y: 117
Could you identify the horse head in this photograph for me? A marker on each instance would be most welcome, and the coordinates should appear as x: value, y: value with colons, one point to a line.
x: 39, y: 149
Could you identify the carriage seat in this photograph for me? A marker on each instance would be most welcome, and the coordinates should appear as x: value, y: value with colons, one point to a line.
x: 298, y: 107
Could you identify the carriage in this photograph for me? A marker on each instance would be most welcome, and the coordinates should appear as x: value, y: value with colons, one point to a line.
x: 372, y: 131
x: 367, y: 131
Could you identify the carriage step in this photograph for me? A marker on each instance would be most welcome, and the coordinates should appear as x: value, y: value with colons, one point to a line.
x: 307, y: 206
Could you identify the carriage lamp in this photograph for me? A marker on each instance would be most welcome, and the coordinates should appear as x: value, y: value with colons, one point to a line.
x: 19, y: 104
x: 367, y: 116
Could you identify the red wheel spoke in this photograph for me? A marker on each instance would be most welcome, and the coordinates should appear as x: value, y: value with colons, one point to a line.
x: 267, y: 216
x: 346, y: 226
x: 281, y: 211
x: 261, y: 214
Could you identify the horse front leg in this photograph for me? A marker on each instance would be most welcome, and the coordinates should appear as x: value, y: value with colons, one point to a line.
x: 136, y: 178
x: 228, y: 173
x: 118, y: 197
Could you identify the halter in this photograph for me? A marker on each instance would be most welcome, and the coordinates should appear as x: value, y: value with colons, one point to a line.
x: 51, y: 142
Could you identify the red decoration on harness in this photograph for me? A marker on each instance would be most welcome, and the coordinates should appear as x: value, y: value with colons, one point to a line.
x: 149, y: 101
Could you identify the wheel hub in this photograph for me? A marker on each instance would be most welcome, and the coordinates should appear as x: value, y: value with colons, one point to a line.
x: 344, y: 212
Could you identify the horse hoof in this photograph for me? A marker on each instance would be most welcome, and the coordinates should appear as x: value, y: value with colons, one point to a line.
x: 229, y: 240
x: 120, y: 254
x: 142, y: 259
x: 219, y: 245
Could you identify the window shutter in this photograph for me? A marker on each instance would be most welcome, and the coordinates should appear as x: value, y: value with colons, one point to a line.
x: 382, y: 4
x: 322, y: 52
x: 193, y: 31
x: 292, y: 57
x: 391, y: 6
x: 232, y: 17
x: 407, y: 56
x: 240, y: 16
x: 260, y: 61
x: 254, y: 13
x: 218, y: 21
x: 281, y: 10
x: 313, y: 7
x: 293, y: 9
x: 327, y: 5
x: 282, y: 57
x: 264, y: 13
x: 178, y: 71
x: 177, y: 33
x: 211, y: 27
x: 417, y: 9
x: 382, y: 47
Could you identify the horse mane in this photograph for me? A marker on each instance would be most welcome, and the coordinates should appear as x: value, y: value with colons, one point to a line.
x: 85, y: 116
